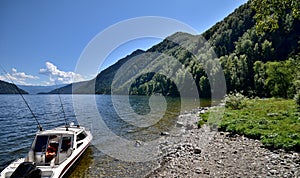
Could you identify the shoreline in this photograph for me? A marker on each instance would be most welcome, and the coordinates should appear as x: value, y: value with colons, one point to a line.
x: 193, y: 152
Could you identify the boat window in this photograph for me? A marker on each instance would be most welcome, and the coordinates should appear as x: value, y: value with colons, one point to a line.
x: 40, y: 144
x: 79, y: 144
x: 66, y: 143
x: 81, y: 136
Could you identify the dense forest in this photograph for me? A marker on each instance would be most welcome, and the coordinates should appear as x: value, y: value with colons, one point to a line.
x: 258, y: 55
x: 8, y: 88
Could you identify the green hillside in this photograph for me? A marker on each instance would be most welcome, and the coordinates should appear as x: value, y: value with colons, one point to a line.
x: 255, y: 62
x: 8, y: 88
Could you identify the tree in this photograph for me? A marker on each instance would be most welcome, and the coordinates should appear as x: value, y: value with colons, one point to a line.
x: 260, y: 77
x: 205, y: 90
x: 267, y: 50
x: 270, y: 12
x: 280, y: 77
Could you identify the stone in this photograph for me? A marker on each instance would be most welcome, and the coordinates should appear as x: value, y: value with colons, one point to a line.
x: 179, y: 124
x: 138, y: 143
x: 189, y: 127
x: 164, y: 133
x: 198, y: 170
x: 273, y: 171
x: 197, y: 150
x: 202, y: 111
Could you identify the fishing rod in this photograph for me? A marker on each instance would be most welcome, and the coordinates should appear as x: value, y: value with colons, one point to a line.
x: 20, y: 93
x: 62, y: 107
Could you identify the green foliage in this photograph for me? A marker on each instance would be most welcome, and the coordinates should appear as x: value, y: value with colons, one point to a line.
x: 236, y: 101
x: 203, y: 119
x: 297, y: 83
x: 201, y: 123
x: 260, y: 77
x: 297, y: 99
x: 153, y: 83
x: 224, y: 34
x: 269, y: 13
x: 276, y: 78
x: 274, y: 121
x: 280, y: 77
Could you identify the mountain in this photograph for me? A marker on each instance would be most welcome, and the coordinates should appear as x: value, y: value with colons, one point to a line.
x: 102, y: 81
x: 39, y: 89
x: 256, y: 64
x: 8, y: 88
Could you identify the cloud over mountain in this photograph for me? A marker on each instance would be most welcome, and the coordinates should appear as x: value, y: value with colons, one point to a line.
x: 56, y: 74
x: 18, y: 77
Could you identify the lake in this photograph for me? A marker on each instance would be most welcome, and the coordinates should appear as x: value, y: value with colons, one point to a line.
x: 130, y: 118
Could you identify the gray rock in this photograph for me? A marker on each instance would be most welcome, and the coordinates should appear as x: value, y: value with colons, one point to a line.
x: 197, y: 150
x: 273, y: 171
x: 189, y: 127
x: 164, y: 133
x: 202, y: 111
x: 198, y: 170
x: 138, y: 143
x: 179, y: 124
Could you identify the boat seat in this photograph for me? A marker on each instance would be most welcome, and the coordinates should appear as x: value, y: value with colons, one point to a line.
x: 39, y: 158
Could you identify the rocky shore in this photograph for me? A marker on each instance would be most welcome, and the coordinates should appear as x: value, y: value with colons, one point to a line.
x: 193, y: 152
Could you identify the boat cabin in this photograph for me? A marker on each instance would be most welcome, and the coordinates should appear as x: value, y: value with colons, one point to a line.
x: 51, y: 148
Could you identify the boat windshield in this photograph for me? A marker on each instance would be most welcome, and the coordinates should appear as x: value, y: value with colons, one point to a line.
x: 40, y: 144
x: 53, y: 147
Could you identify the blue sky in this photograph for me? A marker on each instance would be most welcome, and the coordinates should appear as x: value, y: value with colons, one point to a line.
x: 39, y: 38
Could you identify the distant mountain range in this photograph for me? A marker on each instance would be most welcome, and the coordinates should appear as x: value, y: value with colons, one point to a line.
x: 8, y: 88
x: 39, y: 89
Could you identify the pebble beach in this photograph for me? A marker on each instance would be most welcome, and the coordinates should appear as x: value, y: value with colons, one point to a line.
x: 202, y: 152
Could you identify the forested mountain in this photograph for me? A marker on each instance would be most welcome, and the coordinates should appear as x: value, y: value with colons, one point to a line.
x: 255, y: 62
x: 8, y: 88
x: 102, y: 81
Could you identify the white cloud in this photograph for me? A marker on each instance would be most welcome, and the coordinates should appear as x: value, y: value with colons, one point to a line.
x: 22, y: 75
x: 18, y: 77
x: 57, y: 75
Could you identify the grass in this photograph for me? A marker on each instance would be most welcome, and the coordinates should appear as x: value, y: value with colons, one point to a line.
x: 276, y: 122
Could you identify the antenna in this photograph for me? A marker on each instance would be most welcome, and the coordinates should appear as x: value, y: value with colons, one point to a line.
x: 62, y: 107
x: 20, y: 93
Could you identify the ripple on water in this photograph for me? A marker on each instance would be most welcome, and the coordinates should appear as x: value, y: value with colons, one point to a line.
x: 18, y: 130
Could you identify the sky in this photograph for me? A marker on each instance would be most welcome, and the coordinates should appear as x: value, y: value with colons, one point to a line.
x: 41, y: 42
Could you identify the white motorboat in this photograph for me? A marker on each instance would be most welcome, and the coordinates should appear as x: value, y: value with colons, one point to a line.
x: 52, y: 154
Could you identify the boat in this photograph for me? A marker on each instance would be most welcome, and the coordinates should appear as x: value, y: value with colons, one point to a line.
x: 52, y: 153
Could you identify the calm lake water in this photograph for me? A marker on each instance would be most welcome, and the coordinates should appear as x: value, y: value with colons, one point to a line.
x: 18, y: 126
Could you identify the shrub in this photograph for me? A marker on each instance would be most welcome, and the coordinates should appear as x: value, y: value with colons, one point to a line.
x: 236, y: 101
x: 297, y: 99
x: 201, y: 123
